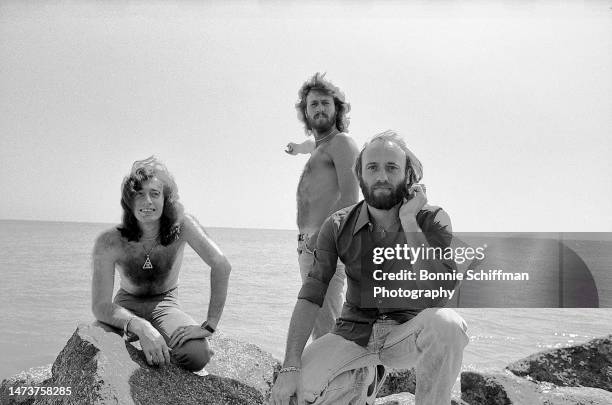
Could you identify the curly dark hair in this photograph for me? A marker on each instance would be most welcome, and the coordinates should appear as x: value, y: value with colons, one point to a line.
x: 319, y: 83
x: 172, y: 215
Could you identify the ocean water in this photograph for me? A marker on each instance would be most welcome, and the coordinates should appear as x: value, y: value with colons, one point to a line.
x: 45, y: 276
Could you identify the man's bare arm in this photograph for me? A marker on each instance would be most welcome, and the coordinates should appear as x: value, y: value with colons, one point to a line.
x: 308, y: 146
x: 220, y: 268
x: 103, y: 280
x: 344, y: 153
x: 300, y: 327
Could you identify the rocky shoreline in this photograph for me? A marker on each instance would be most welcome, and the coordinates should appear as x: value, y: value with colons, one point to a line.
x: 101, y: 368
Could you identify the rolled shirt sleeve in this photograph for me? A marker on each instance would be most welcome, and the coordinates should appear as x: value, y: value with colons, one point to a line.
x: 325, y: 261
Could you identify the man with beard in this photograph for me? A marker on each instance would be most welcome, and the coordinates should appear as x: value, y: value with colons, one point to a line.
x: 327, y: 183
x: 348, y: 364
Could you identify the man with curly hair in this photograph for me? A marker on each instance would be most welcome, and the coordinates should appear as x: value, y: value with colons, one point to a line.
x: 327, y: 183
x: 147, y: 250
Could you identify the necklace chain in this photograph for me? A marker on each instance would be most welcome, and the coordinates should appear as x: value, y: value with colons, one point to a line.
x: 320, y: 141
x: 147, y: 264
x: 150, y: 250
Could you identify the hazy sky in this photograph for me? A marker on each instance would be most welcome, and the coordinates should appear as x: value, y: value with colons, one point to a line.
x: 507, y: 104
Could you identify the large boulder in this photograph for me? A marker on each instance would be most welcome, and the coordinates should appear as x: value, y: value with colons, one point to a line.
x: 588, y: 365
x: 34, y: 377
x: 101, y: 368
x: 504, y: 388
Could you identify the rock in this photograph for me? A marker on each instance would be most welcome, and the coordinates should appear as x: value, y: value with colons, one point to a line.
x: 101, y: 368
x: 399, y: 386
x: 241, y: 361
x: 398, y: 381
x: 505, y: 388
x: 404, y: 398
x: 588, y: 365
x: 34, y: 377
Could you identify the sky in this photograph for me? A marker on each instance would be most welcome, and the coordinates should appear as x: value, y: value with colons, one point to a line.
x: 508, y: 104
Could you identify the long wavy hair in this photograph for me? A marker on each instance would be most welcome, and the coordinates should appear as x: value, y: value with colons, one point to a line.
x: 414, y: 168
x: 319, y: 83
x: 172, y: 215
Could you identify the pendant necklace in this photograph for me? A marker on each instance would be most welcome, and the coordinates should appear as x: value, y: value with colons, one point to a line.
x: 147, y: 264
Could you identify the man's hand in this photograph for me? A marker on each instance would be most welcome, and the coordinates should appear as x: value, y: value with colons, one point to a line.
x: 185, y: 333
x: 154, y: 346
x: 305, y: 147
x: 285, y: 386
x: 410, y: 208
x: 292, y: 148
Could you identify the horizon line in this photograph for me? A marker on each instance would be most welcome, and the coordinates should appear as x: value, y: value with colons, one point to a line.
x: 112, y: 224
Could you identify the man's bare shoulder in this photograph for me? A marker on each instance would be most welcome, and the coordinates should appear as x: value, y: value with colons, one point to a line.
x: 109, y: 241
x: 342, y: 144
x: 190, y: 226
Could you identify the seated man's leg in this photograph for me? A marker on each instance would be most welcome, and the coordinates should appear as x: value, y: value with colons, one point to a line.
x: 166, y: 317
x: 137, y: 306
x: 433, y: 341
x: 332, y: 305
x: 336, y: 371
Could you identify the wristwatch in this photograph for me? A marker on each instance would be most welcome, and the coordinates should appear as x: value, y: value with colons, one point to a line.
x: 207, y: 327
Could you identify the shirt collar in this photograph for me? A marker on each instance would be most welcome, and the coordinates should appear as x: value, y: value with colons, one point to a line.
x: 363, y: 219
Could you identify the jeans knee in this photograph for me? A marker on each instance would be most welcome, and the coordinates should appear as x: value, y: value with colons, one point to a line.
x: 192, y: 355
x: 449, y: 328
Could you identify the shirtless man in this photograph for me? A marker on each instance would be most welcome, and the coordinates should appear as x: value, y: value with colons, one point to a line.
x: 147, y: 249
x: 327, y: 183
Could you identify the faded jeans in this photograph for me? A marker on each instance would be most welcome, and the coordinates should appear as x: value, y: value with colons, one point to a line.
x: 165, y: 314
x: 334, y: 298
x: 338, y: 371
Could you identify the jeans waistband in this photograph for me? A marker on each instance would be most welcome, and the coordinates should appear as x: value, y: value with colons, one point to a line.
x: 171, y: 291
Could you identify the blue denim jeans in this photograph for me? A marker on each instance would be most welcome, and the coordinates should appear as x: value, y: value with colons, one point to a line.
x: 334, y: 298
x: 339, y: 371
x: 164, y: 313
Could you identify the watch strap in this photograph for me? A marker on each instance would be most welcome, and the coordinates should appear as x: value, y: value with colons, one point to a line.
x: 207, y: 327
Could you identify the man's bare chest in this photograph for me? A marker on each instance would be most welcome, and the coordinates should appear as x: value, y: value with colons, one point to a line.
x: 319, y: 167
x: 149, y: 266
